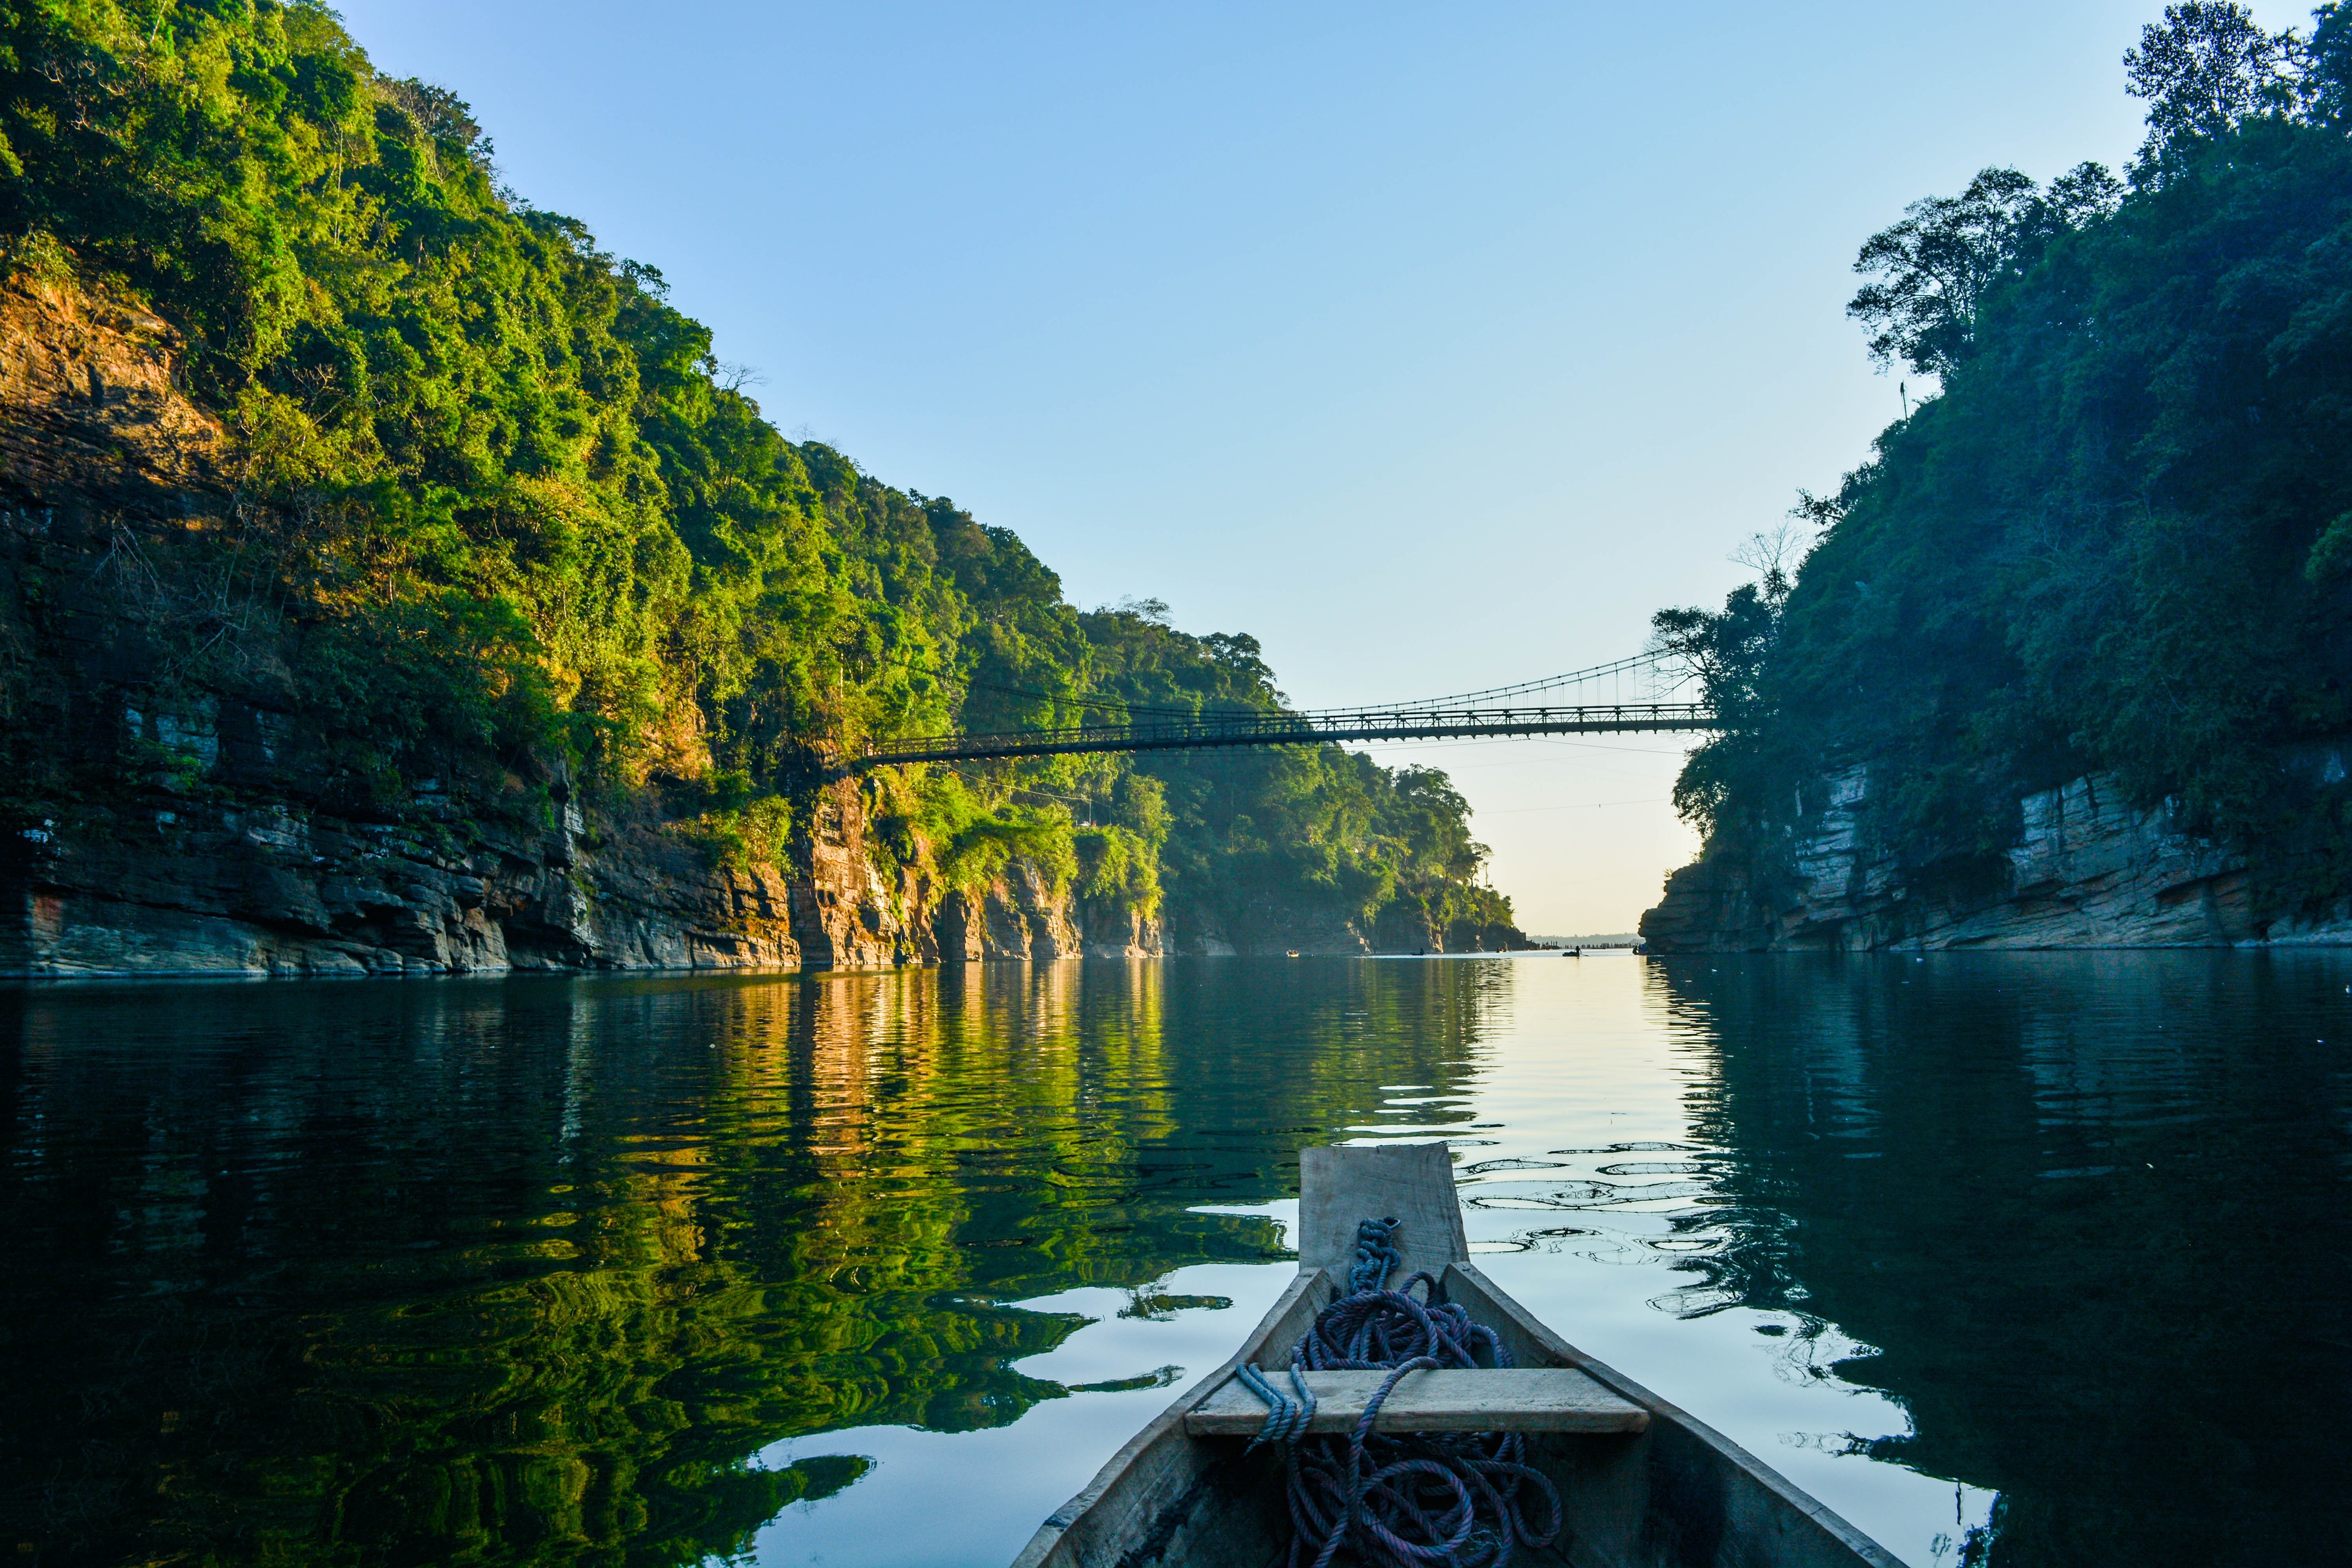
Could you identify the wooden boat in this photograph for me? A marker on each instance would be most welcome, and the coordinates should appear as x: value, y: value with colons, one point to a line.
x: 1643, y: 1484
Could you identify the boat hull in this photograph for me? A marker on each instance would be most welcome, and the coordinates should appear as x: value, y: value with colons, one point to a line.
x: 1677, y: 1494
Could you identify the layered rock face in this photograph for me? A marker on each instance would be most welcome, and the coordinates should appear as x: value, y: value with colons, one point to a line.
x: 267, y: 890
x: 2089, y: 870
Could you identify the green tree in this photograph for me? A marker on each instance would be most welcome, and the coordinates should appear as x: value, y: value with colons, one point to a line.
x: 2206, y: 68
x: 1937, y: 267
x: 2112, y: 542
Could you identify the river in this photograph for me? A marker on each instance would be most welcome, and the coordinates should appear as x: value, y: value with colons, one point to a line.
x: 2027, y: 1258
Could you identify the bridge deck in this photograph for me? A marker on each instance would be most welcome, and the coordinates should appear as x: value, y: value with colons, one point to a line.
x: 1299, y: 730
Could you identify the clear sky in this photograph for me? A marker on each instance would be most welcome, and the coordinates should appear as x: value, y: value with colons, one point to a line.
x: 1436, y: 346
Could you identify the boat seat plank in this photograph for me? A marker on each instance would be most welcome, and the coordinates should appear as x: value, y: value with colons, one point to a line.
x: 1504, y: 1399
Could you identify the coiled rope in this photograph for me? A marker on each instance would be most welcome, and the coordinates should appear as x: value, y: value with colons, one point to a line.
x: 1458, y: 1499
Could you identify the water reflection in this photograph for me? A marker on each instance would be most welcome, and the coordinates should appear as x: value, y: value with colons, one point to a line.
x: 530, y: 1271
x: 650, y: 1271
x: 2088, y: 1211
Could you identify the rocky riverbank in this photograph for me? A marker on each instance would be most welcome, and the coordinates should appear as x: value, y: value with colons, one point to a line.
x: 2088, y: 870
x: 207, y: 888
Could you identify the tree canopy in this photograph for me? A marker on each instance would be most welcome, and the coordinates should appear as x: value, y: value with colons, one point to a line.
x: 494, y: 496
x: 2120, y: 537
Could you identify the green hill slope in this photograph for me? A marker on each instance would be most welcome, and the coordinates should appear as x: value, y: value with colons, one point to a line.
x: 486, y: 516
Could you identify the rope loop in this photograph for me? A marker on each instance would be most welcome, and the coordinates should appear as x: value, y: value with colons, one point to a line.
x: 1287, y: 1421
x: 1419, y: 1500
x: 1376, y: 1257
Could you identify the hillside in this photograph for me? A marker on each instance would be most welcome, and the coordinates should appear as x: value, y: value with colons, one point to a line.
x: 391, y: 579
x: 2071, y: 659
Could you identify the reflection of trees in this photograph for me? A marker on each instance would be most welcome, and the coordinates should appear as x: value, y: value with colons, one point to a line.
x: 2089, y: 1206
x: 524, y: 1272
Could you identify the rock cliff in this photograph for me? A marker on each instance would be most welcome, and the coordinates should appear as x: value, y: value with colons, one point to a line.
x: 208, y: 888
x: 2088, y: 870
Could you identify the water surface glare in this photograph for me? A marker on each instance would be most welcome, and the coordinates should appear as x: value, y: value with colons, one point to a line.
x: 2025, y: 1259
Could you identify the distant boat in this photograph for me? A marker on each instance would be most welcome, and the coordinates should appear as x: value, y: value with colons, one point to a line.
x: 1290, y: 953
x: 1640, y: 1483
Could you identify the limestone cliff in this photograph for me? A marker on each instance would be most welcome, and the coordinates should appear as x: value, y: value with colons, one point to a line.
x: 195, y: 839
x: 2088, y: 870
x: 208, y: 888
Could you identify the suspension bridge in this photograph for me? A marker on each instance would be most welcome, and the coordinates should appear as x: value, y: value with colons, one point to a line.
x: 1500, y: 711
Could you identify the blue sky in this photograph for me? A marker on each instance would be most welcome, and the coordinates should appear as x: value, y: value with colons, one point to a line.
x: 1435, y: 346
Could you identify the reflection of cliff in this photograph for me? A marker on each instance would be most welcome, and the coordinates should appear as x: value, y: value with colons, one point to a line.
x: 2090, y: 1209
x: 522, y: 1273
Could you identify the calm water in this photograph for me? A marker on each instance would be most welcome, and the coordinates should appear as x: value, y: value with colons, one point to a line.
x: 2040, y: 1256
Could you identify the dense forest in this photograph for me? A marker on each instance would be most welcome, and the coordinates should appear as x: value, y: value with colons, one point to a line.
x: 491, y: 503
x: 2112, y: 532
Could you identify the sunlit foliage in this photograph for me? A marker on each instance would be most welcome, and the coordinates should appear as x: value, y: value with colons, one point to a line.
x: 495, y: 497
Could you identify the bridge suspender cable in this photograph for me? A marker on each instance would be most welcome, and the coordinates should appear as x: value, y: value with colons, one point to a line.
x: 1647, y: 661
x: 1154, y: 728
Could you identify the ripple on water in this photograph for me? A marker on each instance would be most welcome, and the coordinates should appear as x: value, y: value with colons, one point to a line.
x: 1552, y: 1196
x: 1636, y: 1148
x: 1584, y: 1194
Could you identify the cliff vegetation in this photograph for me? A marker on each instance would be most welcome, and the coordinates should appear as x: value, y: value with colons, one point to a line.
x: 2111, y: 539
x: 345, y: 485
